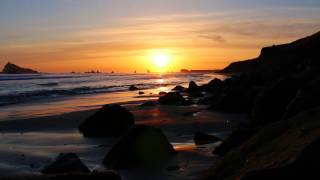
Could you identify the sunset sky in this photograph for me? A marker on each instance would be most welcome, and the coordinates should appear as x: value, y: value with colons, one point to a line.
x: 125, y: 35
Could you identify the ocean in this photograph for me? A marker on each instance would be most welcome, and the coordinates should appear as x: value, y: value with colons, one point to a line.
x: 28, y: 96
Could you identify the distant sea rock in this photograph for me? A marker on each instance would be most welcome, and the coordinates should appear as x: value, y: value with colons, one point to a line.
x: 10, y: 68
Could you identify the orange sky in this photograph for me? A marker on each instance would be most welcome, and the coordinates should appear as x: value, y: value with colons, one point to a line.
x: 193, y: 39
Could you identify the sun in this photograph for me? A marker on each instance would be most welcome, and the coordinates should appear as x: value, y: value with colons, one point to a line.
x: 161, y: 60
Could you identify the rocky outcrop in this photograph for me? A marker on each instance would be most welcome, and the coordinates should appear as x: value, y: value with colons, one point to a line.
x: 273, y: 147
x: 142, y: 146
x: 109, y: 121
x: 280, y: 91
x: 10, y: 68
x: 66, y: 163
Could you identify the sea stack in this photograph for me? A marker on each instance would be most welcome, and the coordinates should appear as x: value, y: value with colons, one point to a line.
x: 10, y: 68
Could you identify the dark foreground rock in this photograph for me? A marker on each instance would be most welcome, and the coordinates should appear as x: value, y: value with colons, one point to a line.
x: 142, y: 146
x: 274, y: 147
x: 66, y: 163
x: 109, y: 175
x: 203, y: 138
x: 305, y: 166
x: 109, y: 121
x: 10, y: 68
x: 172, y: 98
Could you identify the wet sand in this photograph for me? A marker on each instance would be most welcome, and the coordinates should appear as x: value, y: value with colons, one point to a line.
x: 27, y: 145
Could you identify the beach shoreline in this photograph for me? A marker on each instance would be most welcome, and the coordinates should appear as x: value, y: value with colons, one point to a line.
x: 43, y: 138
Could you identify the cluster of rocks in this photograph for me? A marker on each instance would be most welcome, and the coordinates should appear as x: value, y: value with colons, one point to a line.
x: 279, y: 90
x: 138, y: 146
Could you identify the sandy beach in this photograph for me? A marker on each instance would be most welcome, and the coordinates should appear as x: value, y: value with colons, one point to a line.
x: 30, y: 144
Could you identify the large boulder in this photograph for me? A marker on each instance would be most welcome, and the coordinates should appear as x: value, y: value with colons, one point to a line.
x: 142, y: 146
x: 109, y: 121
x: 172, y: 98
x: 66, y: 163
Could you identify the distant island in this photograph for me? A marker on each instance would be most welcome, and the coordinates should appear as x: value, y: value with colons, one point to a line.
x: 10, y: 68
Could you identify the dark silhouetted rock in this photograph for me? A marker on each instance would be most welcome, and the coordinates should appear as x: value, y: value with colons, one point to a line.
x: 133, y: 88
x: 142, y: 146
x: 306, y: 166
x: 308, y: 97
x: 110, y: 120
x: 274, y: 146
x: 213, y: 86
x: 202, y: 138
x: 178, y: 88
x: 272, y: 103
x: 66, y: 163
x: 172, y: 98
x: 10, y: 68
x: 141, y: 93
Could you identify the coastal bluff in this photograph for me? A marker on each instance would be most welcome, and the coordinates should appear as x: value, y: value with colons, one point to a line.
x: 10, y: 68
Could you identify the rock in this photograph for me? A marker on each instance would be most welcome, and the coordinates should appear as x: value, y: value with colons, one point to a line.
x: 133, y: 88
x: 162, y: 93
x: 202, y: 138
x: 149, y: 104
x: 306, y: 166
x: 272, y: 147
x: 213, y: 86
x: 172, y: 98
x: 10, y: 68
x: 141, y: 93
x: 142, y: 146
x: 178, y: 88
x: 307, y: 97
x: 66, y: 163
x: 109, y: 121
x: 272, y: 103
x: 194, y: 90
x: 193, y: 86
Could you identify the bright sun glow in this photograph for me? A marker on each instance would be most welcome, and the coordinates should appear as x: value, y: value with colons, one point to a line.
x: 161, y: 60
